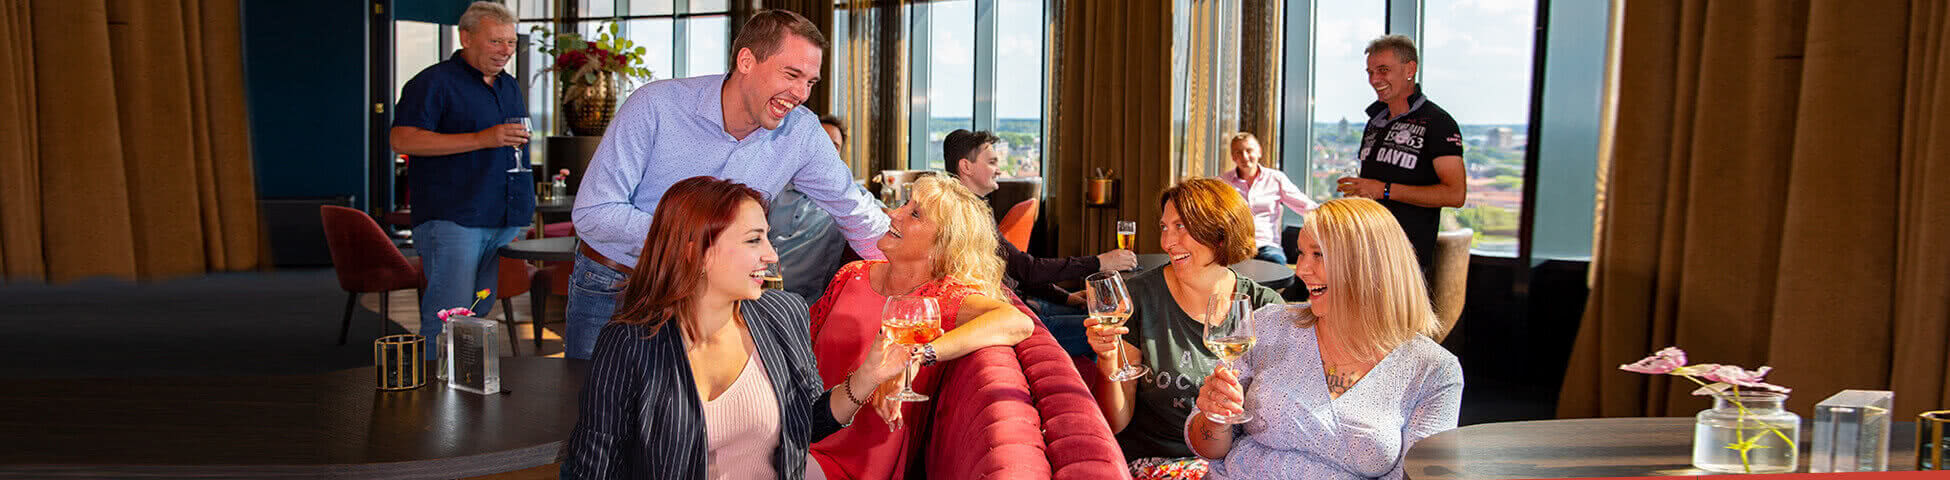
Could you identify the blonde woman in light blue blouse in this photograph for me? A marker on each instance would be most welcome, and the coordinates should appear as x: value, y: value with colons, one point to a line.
x: 1340, y: 388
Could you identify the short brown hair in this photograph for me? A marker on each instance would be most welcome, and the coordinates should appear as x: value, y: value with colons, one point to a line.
x: 1216, y: 216
x: 765, y: 32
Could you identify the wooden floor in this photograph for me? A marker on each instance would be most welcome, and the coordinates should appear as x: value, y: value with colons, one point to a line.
x: 406, y: 312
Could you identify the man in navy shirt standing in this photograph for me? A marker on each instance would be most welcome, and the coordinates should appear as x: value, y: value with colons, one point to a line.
x: 472, y: 190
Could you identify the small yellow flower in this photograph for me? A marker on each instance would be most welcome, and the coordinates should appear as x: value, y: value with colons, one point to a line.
x: 481, y: 294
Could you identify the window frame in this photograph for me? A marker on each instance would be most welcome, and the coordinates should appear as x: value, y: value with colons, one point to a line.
x: 920, y: 29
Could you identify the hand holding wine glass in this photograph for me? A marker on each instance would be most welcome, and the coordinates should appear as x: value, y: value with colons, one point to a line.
x: 1109, y: 304
x: 912, y: 321
x: 522, y: 129
x: 1229, y: 335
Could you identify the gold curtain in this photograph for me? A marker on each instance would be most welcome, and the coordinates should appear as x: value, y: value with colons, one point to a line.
x: 1211, y: 85
x: 1261, y: 36
x: 876, y: 86
x: 1111, y: 65
x: 127, y: 150
x: 1774, y: 198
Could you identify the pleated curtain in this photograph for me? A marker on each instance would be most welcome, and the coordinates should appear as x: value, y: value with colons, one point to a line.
x: 1109, y: 109
x: 1775, y: 196
x: 126, y: 150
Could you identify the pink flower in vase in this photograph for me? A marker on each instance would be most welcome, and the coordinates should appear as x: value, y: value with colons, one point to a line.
x: 462, y: 311
x: 1660, y: 363
x: 1735, y: 375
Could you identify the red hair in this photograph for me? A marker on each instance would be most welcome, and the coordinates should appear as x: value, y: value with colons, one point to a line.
x: 670, y: 271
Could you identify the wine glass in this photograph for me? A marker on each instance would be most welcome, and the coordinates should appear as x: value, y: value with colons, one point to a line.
x: 1229, y: 334
x: 912, y: 321
x: 1126, y: 234
x: 1110, y: 304
x: 520, y: 165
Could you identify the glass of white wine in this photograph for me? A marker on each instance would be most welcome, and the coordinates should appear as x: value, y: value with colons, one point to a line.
x: 1229, y: 334
x: 1110, y: 304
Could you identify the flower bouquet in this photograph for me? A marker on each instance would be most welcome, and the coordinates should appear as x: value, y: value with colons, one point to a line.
x: 588, y: 71
x: 445, y: 342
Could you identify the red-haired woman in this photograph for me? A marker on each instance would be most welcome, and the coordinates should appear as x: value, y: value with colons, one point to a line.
x: 702, y: 373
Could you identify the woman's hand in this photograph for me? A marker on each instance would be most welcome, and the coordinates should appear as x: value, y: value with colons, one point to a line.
x: 885, y: 359
x: 1221, y: 394
x: 888, y: 408
x: 1105, y: 340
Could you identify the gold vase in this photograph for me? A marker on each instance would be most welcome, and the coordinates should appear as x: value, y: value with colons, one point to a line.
x: 589, y: 108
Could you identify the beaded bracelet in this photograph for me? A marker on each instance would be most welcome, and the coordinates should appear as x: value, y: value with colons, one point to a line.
x: 848, y: 385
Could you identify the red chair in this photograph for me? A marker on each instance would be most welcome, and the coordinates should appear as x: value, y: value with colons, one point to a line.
x: 1019, y: 222
x: 514, y: 278
x: 366, y: 262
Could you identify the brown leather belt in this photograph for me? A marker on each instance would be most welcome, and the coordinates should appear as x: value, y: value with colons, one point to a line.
x: 602, y: 260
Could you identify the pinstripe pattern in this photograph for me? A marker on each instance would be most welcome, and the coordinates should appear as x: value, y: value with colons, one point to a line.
x: 640, y: 413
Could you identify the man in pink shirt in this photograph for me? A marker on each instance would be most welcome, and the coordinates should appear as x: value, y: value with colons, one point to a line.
x: 1266, y: 190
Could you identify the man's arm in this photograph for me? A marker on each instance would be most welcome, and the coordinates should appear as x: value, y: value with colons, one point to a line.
x: 1451, y: 192
x: 1030, y: 271
x: 604, y: 214
x: 420, y: 142
x: 829, y: 183
x: 1291, y: 196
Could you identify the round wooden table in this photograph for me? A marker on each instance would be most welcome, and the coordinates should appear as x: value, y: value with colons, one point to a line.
x: 560, y: 204
x: 552, y: 249
x: 1589, y: 447
x: 331, y: 425
x: 1269, y: 274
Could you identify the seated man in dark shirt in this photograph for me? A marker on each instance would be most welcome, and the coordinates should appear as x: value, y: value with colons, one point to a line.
x: 972, y: 158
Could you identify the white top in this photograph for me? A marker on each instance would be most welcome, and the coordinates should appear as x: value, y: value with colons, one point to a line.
x: 1299, y: 431
x: 741, y: 427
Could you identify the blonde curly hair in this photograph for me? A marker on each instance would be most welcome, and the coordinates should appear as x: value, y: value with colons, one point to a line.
x: 964, y: 240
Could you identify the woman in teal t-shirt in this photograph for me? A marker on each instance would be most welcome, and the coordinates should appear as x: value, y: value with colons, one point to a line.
x: 1205, y: 226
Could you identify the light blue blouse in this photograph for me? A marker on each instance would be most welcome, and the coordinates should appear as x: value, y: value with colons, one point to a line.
x: 1299, y: 431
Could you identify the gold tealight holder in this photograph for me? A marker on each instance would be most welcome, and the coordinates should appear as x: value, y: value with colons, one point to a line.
x: 545, y: 191
x: 1931, y: 440
x: 400, y: 361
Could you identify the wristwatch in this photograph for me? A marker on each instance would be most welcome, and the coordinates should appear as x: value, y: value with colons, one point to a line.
x: 1385, y: 187
x: 927, y: 354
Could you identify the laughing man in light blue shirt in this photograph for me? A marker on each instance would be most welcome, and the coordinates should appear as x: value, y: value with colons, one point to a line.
x: 745, y: 126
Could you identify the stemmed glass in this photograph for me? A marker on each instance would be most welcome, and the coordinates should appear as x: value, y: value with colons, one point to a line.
x: 1229, y: 334
x: 1126, y: 234
x: 520, y: 165
x: 912, y: 321
x: 1110, y: 304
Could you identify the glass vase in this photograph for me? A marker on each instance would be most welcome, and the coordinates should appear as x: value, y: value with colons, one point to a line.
x: 1763, y: 426
x: 445, y: 348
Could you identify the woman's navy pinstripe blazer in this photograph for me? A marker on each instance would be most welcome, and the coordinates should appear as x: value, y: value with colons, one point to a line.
x: 640, y: 413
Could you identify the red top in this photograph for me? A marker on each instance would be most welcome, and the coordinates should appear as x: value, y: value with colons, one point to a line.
x: 844, y: 324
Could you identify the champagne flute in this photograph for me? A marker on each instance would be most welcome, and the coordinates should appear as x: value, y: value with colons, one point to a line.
x: 774, y: 277
x: 1126, y: 234
x: 1229, y: 334
x: 1110, y: 304
x: 520, y: 165
x: 912, y: 321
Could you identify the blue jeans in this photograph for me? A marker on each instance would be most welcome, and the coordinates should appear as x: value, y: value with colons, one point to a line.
x: 592, y: 300
x: 1271, y: 254
x: 458, y: 261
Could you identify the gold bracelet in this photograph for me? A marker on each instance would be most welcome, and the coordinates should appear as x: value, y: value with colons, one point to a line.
x: 848, y: 385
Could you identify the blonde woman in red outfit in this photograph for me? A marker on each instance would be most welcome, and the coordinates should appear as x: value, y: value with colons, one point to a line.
x: 941, y: 244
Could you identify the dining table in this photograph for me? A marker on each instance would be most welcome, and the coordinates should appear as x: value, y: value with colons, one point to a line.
x: 1268, y: 274
x: 1590, y: 448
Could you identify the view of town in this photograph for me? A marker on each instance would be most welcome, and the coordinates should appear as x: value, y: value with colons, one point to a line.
x: 1492, y: 156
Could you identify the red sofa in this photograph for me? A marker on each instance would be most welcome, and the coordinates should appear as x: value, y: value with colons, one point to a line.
x: 1017, y: 413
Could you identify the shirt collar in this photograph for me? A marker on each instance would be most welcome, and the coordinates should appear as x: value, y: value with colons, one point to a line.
x: 710, y: 104
x: 1378, y: 111
x: 475, y: 73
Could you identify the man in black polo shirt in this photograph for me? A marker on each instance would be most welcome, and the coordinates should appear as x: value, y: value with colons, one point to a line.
x: 1411, y: 150
x: 472, y: 191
